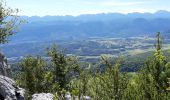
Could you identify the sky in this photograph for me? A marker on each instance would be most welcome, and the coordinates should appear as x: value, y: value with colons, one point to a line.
x: 77, y: 7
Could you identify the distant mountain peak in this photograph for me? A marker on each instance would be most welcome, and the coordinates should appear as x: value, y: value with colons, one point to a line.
x: 162, y: 12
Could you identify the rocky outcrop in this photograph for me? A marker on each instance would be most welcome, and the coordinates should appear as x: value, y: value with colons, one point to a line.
x: 49, y: 96
x: 4, y: 67
x: 9, y: 90
x: 42, y: 96
x: 8, y: 87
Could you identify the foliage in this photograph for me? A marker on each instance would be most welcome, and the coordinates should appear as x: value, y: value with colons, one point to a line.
x: 9, y: 22
x: 152, y: 79
x: 65, y: 68
x: 33, y: 76
x: 112, y: 83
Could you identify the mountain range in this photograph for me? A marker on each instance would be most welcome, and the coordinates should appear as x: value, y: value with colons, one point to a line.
x: 110, y: 25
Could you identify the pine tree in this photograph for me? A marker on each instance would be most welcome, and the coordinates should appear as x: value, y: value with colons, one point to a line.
x: 110, y: 84
x: 65, y: 67
x: 154, y: 74
x: 33, y: 76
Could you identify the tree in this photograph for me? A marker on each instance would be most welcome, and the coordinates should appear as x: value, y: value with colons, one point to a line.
x: 9, y: 22
x: 110, y: 84
x: 156, y: 67
x: 33, y: 77
x: 153, y: 76
x: 80, y: 86
x: 65, y: 67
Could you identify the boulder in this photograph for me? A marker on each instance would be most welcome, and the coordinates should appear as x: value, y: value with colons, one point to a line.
x: 43, y: 96
x: 68, y: 96
x: 9, y: 89
x: 86, y: 98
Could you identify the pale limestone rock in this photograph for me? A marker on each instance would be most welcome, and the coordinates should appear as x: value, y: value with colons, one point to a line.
x: 9, y: 90
x: 43, y: 96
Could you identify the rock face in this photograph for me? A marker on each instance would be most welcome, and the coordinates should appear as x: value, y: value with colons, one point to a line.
x: 42, y: 96
x: 4, y: 67
x: 9, y: 90
x: 8, y: 87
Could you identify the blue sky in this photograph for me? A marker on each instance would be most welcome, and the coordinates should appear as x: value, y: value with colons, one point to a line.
x: 77, y: 7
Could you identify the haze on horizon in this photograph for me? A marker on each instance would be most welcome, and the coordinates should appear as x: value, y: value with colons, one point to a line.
x: 78, y: 7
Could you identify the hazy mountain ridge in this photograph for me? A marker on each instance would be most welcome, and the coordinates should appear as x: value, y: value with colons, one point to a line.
x: 97, y: 25
x: 99, y: 17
